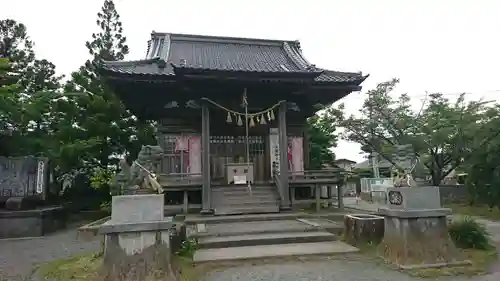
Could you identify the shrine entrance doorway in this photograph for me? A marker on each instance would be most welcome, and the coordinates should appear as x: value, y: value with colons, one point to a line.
x: 226, y: 150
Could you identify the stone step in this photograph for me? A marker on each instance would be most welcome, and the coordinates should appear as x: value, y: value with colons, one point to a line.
x: 246, y: 209
x: 264, y: 239
x: 245, y: 202
x: 268, y: 251
x: 242, y: 188
x: 244, y: 218
x: 253, y: 197
x: 257, y: 227
x: 237, y: 194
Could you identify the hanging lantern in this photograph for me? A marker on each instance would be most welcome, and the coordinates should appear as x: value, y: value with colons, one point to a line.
x: 239, y: 122
x: 229, y: 119
x: 272, y: 115
x: 262, y: 120
x: 252, y: 123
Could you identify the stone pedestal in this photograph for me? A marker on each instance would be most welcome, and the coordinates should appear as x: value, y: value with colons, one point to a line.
x: 363, y: 229
x: 137, y: 238
x: 416, y: 233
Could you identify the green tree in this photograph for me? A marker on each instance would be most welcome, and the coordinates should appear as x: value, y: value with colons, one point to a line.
x: 483, y: 165
x: 323, y: 136
x: 9, y: 105
x: 103, y: 116
x: 442, y: 134
x: 29, y: 109
x: 16, y: 46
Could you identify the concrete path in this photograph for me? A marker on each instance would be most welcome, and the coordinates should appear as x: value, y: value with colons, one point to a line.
x: 18, y: 257
x: 328, y: 270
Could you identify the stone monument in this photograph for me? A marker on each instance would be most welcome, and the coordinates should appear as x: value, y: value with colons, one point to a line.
x: 24, y: 212
x: 137, y: 237
x: 416, y: 233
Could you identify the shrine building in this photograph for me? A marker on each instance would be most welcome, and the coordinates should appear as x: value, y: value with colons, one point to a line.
x: 229, y: 111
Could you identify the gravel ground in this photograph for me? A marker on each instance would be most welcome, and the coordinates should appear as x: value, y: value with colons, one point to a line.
x: 18, y: 257
x: 332, y: 270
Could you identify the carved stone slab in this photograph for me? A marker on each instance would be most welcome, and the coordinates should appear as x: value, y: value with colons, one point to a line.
x: 417, y: 198
x: 137, y: 208
x: 23, y: 177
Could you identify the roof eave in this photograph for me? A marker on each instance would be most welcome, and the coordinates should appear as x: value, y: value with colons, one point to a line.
x: 194, y: 72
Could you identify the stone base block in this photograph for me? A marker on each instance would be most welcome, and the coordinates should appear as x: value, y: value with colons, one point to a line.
x: 32, y: 223
x: 365, y: 196
x: 362, y: 229
x: 137, y: 208
x: 414, y: 238
x: 134, y: 252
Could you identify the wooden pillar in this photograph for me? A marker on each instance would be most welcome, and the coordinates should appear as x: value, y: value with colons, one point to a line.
x: 283, y: 141
x: 185, y: 202
x: 306, y: 150
x: 317, y: 193
x: 205, y: 158
x: 340, y: 196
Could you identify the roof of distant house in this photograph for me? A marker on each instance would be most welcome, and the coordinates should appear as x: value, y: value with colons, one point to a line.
x: 344, y: 160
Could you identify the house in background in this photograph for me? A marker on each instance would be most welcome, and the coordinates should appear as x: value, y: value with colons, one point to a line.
x: 383, y: 165
x: 345, y: 164
x: 348, y: 165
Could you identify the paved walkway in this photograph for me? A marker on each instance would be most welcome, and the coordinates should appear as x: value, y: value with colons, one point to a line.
x: 328, y: 270
x: 18, y: 257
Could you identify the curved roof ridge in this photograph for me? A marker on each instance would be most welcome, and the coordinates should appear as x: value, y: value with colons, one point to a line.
x: 227, y: 39
x: 130, y: 62
x: 296, y: 48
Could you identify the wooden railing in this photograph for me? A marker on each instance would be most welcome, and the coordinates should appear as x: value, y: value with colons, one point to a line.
x: 315, y: 179
x: 326, y: 176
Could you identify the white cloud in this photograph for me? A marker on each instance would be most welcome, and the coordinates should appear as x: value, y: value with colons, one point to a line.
x: 448, y: 46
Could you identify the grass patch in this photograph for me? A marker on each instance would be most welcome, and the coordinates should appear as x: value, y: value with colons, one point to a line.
x: 482, y: 261
x: 482, y: 211
x: 87, y: 268
x: 78, y: 268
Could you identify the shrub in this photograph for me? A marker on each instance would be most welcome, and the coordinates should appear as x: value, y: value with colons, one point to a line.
x: 188, y: 247
x: 467, y: 233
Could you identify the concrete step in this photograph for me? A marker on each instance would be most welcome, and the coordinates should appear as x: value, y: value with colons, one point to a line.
x: 257, y: 227
x: 242, y: 188
x: 244, y: 218
x: 268, y: 251
x: 264, y: 239
x: 238, y: 194
x: 259, y: 197
x: 246, y: 209
x: 334, y: 217
x: 245, y: 202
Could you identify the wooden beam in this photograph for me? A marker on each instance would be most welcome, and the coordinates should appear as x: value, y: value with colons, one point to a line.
x: 283, y: 141
x: 205, y: 157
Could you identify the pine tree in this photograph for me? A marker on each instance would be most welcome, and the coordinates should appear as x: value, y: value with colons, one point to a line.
x: 104, y: 117
x: 28, y: 114
x: 15, y: 45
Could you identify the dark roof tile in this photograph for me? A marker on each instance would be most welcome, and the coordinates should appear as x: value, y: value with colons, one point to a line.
x: 166, y: 52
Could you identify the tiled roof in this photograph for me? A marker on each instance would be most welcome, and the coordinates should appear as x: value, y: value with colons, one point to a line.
x: 169, y: 52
